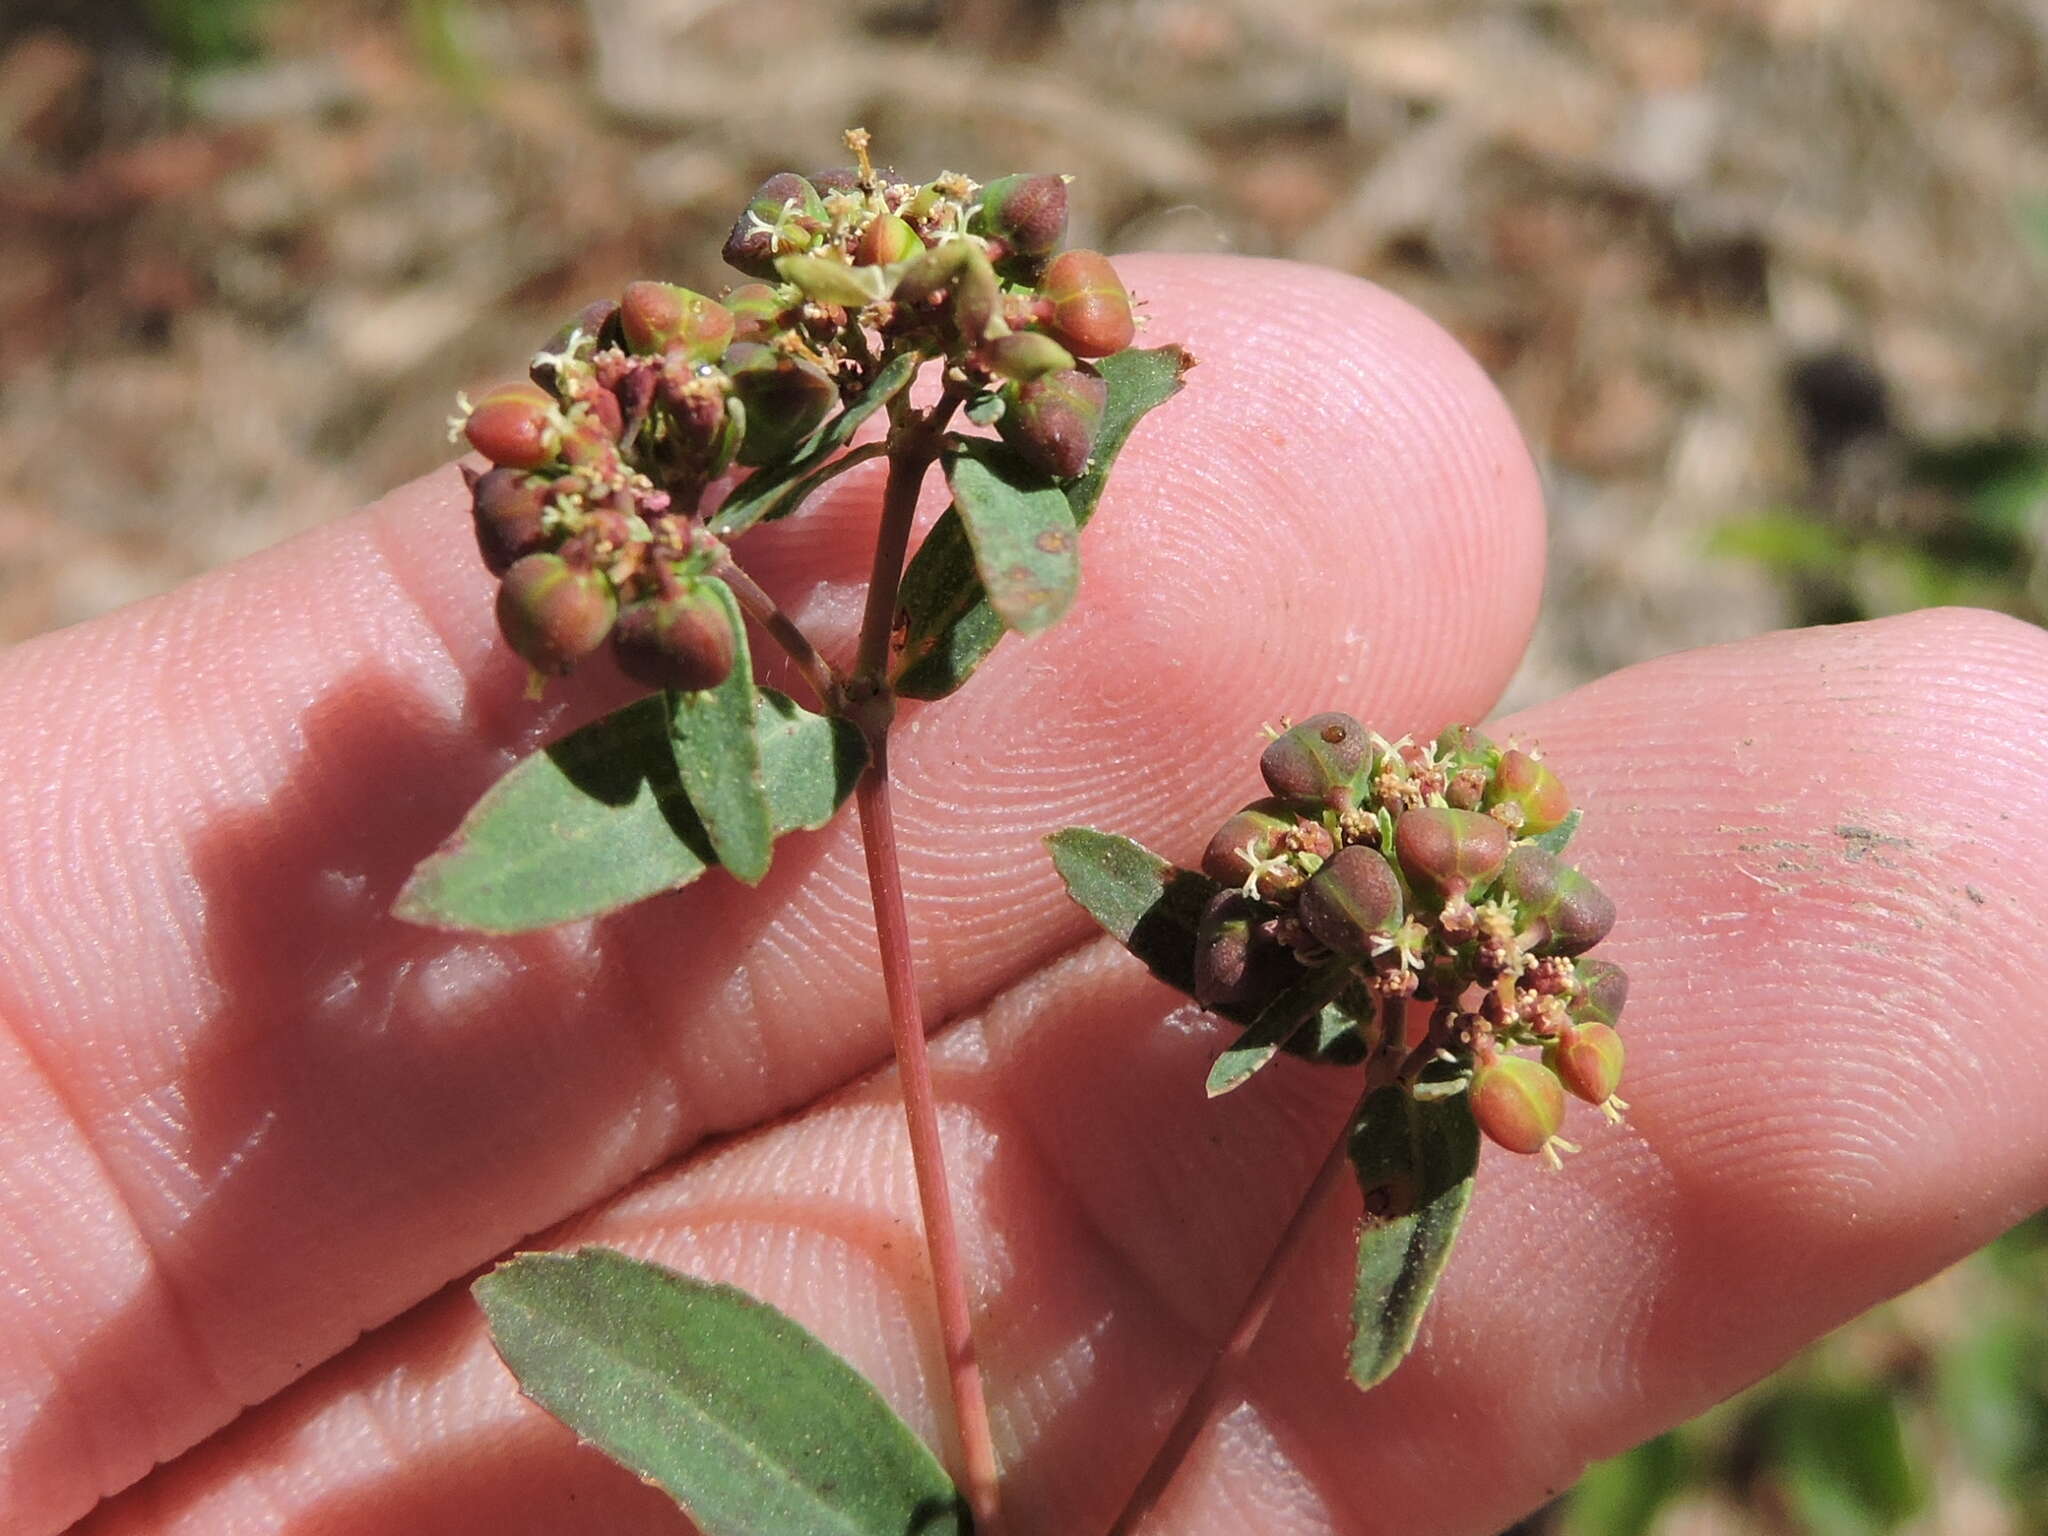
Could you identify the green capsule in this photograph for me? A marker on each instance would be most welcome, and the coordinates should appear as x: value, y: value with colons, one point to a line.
x: 509, y: 507
x: 1587, y: 1061
x: 682, y: 641
x: 1234, y: 965
x: 785, y: 397
x: 554, y: 613
x: 514, y: 426
x: 1027, y: 213
x: 1090, y: 312
x: 886, y: 241
x: 1325, y: 758
x: 1601, y: 993
x: 1352, y: 898
x: 784, y: 215
x: 1518, y: 1103
x: 1563, y: 911
x: 1448, y: 853
x: 1052, y: 420
x: 1527, y: 784
x: 1249, y: 838
x: 660, y: 318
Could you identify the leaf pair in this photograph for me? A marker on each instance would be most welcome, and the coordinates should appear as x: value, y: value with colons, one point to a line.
x: 1414, y: 1158
x: 640, y: 802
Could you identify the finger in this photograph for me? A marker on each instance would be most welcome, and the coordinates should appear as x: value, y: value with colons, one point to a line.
x: 252, y: 1116
x: 1822, y: 846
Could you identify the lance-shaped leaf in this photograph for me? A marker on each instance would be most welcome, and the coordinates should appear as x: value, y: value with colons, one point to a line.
x: 1414, y: 1161
x: 780, y: 489
x: 718, y: 757
x: 950, y: 624
x: 1277, y: 1024
x: 735, y: 1411
x: 599, y: 820
x: 1026, y: 547
x: 1553, y: 841
x: 1148, y: 905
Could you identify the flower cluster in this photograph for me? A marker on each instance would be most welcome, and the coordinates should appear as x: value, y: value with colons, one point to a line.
x: 591, y: 514
x: 1426, y: 872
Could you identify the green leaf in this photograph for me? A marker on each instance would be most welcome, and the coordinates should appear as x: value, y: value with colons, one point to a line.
x: 1026, y: 547
x: 599, y: 820
x: 1621, y: 1496
x: 1414, y: 1163
x: 780, y: 489
x: 950, y: 625
x: 1148, y: 905
x: 737, y: 1413
x: 1842, y: 1455
x: 1277, y: 1024
x: 719, y: 757
x: 1553, y: 841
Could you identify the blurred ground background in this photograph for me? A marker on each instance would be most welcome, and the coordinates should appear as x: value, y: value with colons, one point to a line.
x: 1763, y: 279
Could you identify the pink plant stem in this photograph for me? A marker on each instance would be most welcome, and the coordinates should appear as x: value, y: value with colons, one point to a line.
x: 1208, y: 1391
x: 1201, y: 1403
x: 912, y: 453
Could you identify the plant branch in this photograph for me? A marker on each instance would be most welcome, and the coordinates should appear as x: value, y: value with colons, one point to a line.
x: 914, y: 447
x: 1265, y: 1291
x: 823, y: 677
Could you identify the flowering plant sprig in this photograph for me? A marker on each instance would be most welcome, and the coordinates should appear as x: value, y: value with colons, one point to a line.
x: 1401, y: 906
x: 602, y: 518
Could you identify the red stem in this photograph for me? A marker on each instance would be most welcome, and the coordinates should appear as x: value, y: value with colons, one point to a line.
x: 1202, y: 1402
x: 870, y: 704
x: 1380, y: 1068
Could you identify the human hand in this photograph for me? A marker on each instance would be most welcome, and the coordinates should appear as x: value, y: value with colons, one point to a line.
x: 249, y: 1116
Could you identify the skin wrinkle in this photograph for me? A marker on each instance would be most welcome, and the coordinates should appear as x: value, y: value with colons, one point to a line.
x: 176, y: 1308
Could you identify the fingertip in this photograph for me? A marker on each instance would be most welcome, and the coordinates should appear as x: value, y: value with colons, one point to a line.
x: 1361, y: 464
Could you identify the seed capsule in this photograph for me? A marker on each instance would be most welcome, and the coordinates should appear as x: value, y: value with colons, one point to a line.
x: 1252, y: 836
x: 1518, y: 1103
x: 514, y: 426
x: 1323, y: 758
x: 1565, y: 913
x: 508, y: 506
x: 683, y: 642
x: 1236, y: 966
x: 885, y: 241
x: 1091, y: 312
x: 660, y: 318
x: 1602, y: 991
x: 1027, y: 213
x: 1449, y: 853
x: 1465, y: 746
x: 1522, y: 781
x: 554, y: 613
x: 1587, y: 1060
x: 1350, y: 899
x: 785, y: 398
x: 1053, y: 419
x: 781, y: 217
